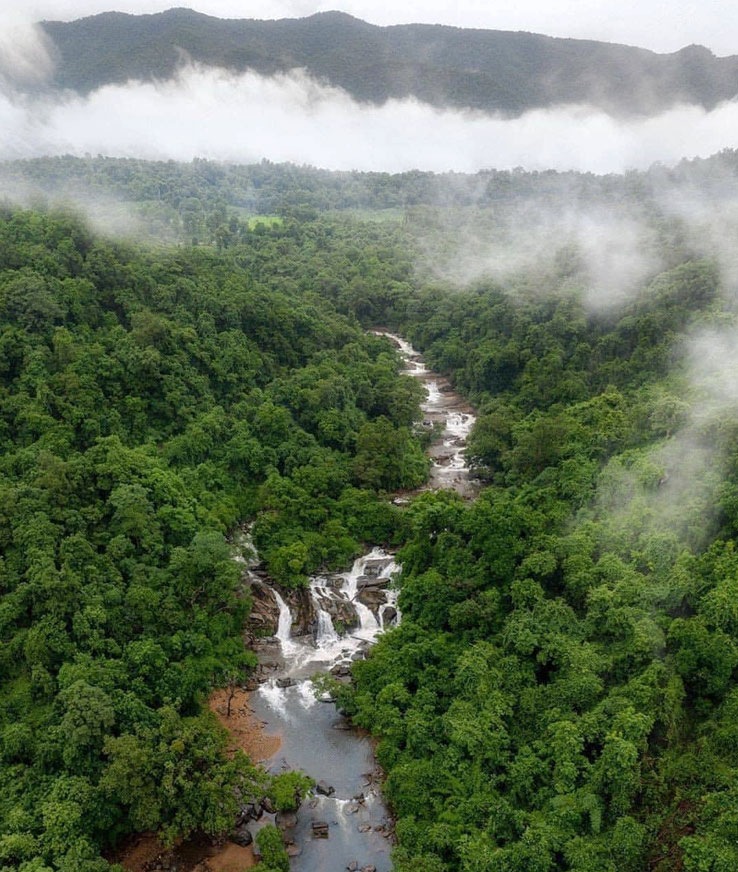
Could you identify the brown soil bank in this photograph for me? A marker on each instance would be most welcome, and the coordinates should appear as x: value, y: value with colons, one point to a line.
x: 145, y: 853
x: 246, y: 731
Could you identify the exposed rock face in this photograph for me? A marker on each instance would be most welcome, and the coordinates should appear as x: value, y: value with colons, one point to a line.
x: 264, y: 614
x: 303, y: 612
x: 372, y: 598
x: 373, y: 568
x: 251, y: 811
x: 342, y: 611
x: 371, y: 581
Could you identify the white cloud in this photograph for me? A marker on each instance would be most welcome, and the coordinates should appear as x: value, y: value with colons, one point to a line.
x: 208, y: 113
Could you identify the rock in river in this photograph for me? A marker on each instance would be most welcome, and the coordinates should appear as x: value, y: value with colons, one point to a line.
x: 286, y: 820
x: 242, y: 836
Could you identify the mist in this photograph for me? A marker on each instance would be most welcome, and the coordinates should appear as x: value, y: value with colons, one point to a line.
x: 209, y: 113
x: 543, y: 249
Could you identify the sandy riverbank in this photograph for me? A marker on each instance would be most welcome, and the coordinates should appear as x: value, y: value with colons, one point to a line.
x: 246, y: 731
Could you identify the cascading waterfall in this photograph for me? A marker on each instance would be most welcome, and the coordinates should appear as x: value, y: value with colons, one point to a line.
x: 316, y: 742
x: 284, y: 626
x: 368, y: 624
x: 326, y: 634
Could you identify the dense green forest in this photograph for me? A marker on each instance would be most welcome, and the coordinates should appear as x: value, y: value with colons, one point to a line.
x: 488, y: 70
x: 560, y: 694
x: 149, y: 403
x: 210, y: 203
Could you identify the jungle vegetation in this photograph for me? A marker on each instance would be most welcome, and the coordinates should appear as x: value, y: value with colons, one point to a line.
x: 560, y: 695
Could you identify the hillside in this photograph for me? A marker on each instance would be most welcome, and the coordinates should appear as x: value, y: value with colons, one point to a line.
x: 485, y: 70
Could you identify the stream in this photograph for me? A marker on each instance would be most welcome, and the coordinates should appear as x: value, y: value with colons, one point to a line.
x: 341, y: 616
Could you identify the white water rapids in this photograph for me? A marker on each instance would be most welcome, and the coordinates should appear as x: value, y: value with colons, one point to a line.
x: 348, y: 612
x: 446, y: 408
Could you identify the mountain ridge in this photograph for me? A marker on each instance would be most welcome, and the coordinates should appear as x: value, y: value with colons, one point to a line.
x: 506, y: 72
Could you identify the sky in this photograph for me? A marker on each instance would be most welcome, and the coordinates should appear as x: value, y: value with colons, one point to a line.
x: 661, y: 25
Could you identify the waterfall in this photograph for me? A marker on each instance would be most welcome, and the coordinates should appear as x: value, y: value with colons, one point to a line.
x: 434, y: 393
x: 326, y: 632
x: 368, y: 626
x: 284, y: 626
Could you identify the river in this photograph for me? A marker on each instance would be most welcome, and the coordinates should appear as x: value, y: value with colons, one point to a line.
x: 314, y: 736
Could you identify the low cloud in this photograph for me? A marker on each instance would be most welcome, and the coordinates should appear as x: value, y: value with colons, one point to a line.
x: 608, y: 255
x: 25, y: 54
x: 205, y: 112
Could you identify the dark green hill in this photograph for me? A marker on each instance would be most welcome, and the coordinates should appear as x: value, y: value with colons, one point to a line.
x: 486, y: 70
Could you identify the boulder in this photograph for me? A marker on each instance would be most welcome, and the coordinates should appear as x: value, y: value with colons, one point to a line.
x: 365, y: 581
x: 286, y: 820
x: 320, y: 829
x: 340, y: 610
x: 251, y: 811
x: 373, y: 598
x: 264, y: 614
x: 353, y: 866
x: 341, y: 669
x: 293, y: 850
x: 286, y: 681
x: 268, y: 805
x: 374, y: 567
x: 324, y: 788
x: 352, y: 808
x: 368, y: 869
x: 242, y: 836
x: 389, y: 616
x: 304, y: 619
x: 364, y: 828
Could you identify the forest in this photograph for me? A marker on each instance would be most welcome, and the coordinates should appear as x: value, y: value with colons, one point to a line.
x: 487, y: 70
x: 560, y: 693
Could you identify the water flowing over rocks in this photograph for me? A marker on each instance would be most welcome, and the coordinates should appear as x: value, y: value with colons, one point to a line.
x: 445, y: 408
x: 324, y: 629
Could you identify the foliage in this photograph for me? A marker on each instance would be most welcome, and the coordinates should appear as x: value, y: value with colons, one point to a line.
x: 560, y: 693
x: 273, y: 853
x: 149, y: 402
x: 289, y: 789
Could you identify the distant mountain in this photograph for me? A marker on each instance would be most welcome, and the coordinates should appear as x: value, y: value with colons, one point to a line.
x: 488, y: 70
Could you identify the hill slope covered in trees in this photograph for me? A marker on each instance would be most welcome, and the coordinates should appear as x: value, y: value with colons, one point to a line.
x: 148, y: 404
x: 492, y: 71
x: 560, y: 695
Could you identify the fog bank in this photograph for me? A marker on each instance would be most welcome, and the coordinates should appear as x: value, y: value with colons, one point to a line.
x: 242, y: 118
